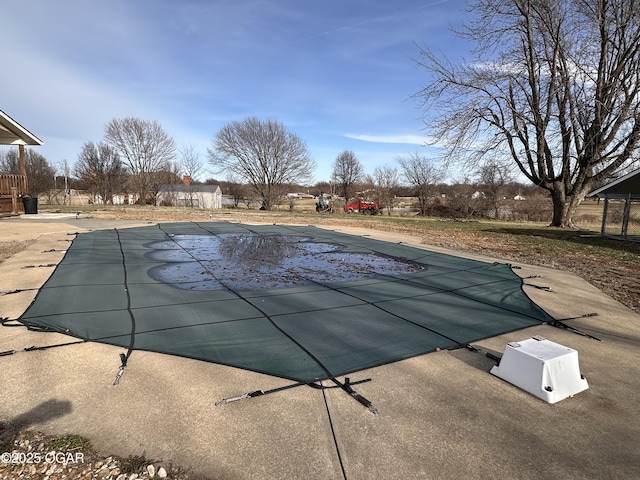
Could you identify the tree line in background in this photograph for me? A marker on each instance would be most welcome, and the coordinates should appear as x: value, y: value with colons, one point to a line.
x: 262, y: 162
x: 490, y: 190
x: 552, y: 93
x: 135, y: 156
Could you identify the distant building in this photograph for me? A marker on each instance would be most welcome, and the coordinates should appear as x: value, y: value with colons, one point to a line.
x: 117, y: 199
x: 190, y: 195
x: 299, y: 196
x: 621, y: 206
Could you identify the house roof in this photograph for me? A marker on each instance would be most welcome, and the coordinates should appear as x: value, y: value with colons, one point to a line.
x: 190, y: 188
x: 12, y: 133
x: 623, y: 187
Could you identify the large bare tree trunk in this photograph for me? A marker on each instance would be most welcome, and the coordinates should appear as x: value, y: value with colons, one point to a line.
x: 554, y: 89
x: 560, y: 205
x: 565, y: 206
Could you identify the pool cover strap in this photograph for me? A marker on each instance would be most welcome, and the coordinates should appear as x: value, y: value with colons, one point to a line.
x: 346, y: 386
x: 124, y: 358
x: 577, y: 331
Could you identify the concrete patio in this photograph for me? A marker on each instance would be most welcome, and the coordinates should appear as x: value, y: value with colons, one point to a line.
x: 440, y: 415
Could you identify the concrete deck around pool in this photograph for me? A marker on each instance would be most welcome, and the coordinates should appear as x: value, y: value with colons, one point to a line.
x: 440, y: 415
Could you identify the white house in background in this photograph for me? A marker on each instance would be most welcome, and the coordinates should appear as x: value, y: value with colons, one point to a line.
x: 299, y: 195
x: 117, y: 199
x: 519, y: 197
x: 189, y: 195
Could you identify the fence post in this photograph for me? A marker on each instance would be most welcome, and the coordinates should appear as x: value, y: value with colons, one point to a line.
x: 14, y: 200
x: 625, y: 216
x: 604, y: 215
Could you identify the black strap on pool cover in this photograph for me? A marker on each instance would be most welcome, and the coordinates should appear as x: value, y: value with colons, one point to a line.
x: 124, y: 358
x: 5, y: 322
x: 346, y: 386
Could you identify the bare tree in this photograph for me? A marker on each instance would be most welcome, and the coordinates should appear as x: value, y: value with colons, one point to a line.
x: 237, y: 193
x: 250, y: 199
x: 347, y: 171
x: 554, y: 89
x: 422, y: 175
x: 169, y: 174
x: 66, y: 172
x: 386, y: 180
x: 60, y: 192
x: 191, y: 166
x: 40, y: 173
x: 325, y: 187
x: 100, y: 169
x: 264, y: 154
x: 460, y: 199
x: 145, y: 149
x: 493, y: 178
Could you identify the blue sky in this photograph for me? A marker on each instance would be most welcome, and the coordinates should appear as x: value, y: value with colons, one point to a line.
x: 338, y: 73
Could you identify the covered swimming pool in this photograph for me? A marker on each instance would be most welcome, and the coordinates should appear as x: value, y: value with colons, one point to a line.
x: 296, y: 302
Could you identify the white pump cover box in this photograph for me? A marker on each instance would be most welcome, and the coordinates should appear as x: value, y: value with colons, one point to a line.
x: 543, y: 368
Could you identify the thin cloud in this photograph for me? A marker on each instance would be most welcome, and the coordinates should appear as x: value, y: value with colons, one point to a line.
x: 394, y: 16
x: 196, y: 66
x: 407, y: 139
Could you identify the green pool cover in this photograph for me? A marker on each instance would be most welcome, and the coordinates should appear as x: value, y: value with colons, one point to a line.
x: 297, y: 302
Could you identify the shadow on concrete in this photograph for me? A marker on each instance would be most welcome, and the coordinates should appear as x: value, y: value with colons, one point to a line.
x: 40, y: 414
x: 477, y: 358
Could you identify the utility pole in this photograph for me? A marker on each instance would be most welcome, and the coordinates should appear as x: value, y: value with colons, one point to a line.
x: 65, y: 169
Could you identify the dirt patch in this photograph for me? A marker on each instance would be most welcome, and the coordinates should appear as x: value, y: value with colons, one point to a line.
x: 8, y: 249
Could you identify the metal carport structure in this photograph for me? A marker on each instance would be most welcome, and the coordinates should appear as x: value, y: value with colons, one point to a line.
x: 623, y: 193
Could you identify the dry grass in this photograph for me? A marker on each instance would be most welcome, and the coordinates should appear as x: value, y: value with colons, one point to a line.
x: 611, y: 265
x: 8, y: 249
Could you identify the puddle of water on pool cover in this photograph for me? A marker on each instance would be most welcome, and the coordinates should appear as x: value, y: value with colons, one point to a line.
x: 257, y: 262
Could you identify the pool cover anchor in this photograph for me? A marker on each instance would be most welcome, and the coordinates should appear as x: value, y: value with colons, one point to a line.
x: 40, y: 266
x: 256, y: 393
x: 9, y: 322
x: 346, y: 386
x: 116, y: 382
x: 487, y: 353
x: 561, y: 324
x: 18, y: 290
x: 260, y: 393
x: 123, y: 359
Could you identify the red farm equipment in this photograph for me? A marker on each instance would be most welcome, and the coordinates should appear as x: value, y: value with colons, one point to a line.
x: 358, y: 205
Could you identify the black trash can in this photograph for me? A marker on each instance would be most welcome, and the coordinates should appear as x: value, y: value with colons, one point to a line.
x: 30, y: 205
